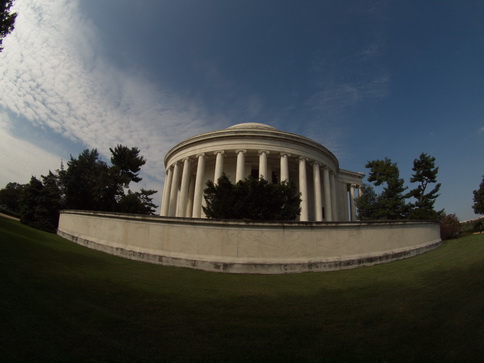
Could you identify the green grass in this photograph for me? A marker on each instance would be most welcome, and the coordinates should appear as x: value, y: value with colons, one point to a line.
x: 60, y: 301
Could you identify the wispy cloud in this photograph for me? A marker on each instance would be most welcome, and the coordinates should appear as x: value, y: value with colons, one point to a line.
x: 53, y: 72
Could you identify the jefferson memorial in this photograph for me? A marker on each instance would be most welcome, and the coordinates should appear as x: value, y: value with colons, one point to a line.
x: 326, y: 237
x: 327, y: 192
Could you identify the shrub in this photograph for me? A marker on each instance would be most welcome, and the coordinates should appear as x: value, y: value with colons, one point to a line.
x: 450, y: 226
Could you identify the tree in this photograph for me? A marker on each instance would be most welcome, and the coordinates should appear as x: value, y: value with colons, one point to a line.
x: 7, y: 19
x: 390, y: 204
x: 450, y: 226
x: 41, y: 202
x: 87, y: 183
x: 479, y: 198
x: 90, y: 184
x: 126, y: 164
x: 10, y: 197
x: 253, y: 199
x: 425, y: 173
x: 367, y: 203
x: 137, y: 202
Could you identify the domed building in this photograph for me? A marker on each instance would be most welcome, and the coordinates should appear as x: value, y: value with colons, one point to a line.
x: 327, y: 192
x: 182, y: 236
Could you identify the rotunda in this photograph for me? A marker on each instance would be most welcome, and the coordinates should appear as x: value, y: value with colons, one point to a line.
x: 327, y: 192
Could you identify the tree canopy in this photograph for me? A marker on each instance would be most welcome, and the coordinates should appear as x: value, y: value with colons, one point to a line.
x: 478, y: 205
x: 391, y: 202
x: 7, y: 19
x: 425, y: 174
x: 10, y: 197
x: 253, y: 199
x: 87, y: 183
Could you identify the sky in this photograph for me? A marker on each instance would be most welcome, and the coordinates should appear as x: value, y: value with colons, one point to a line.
x: 367, y: 79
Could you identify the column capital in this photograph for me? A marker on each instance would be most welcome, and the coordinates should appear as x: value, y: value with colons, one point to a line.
x: 201, y: 154
x: 285, y: 154
x: 302, y: 158
x: 267, y: 152
x: 241, y: 151
x: 316, y: 163
x: 219, y: 152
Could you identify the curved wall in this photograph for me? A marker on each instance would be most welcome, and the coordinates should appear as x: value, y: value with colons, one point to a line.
x: 248, y: 247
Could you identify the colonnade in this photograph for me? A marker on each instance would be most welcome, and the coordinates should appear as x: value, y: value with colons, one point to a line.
x: 183, y: 191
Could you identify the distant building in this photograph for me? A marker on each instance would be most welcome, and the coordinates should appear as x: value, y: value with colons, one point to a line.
x: 327, y: 192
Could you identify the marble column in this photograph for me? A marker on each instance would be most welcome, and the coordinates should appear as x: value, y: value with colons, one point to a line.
x: 352, y: 202
x: 327, y: 196
x: 318, y: 209
x: 285, y: 167
x: 197, y: 197
x: 263, y: 164
x: 174, y: 190
x: 334, y: 201
x: 240, y: 172
x: 219, y: 165
x: 303, y: 189
x: 191, y: 192
x: 185, y: 183
x: 166, y: 192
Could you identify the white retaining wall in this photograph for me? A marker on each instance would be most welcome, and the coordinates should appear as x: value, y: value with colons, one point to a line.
x: 248, y: 247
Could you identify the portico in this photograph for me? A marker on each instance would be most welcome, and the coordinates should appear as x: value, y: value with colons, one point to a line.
x: 327, y: 192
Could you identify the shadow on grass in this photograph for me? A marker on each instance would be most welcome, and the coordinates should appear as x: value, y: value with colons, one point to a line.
x: 61, y: 301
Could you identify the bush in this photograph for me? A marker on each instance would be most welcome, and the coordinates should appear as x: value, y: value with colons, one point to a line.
x: 450, y: 226
x: 252, y: 199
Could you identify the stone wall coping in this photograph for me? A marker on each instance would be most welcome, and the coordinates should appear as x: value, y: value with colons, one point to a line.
x: 245, y: 223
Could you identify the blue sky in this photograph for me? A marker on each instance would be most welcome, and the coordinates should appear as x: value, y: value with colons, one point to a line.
x: 367, y: 79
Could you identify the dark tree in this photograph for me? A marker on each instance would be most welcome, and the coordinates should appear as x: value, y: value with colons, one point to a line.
x: 450, y: 226
x: 137, y: 202
x: 253, y: 199
x: 90, y: 184
x: 126, y: 164
x: 391, y: 202
x: 425, y: 174
x: 41, y: 202
x: 7, y: 19
x: 10, y: 197
x: 87, y: 183
x: 479, y: 199
x: 367, y: 203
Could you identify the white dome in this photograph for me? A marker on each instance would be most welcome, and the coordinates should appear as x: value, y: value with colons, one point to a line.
x: 251, y: 125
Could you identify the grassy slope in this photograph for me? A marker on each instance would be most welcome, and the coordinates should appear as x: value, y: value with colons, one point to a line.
x: 61, y: 301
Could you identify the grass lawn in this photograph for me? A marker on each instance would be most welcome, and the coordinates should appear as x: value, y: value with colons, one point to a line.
x: 61, y: 301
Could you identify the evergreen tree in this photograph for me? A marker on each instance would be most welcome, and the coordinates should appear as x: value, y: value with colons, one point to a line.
x: 10, y: 197
x: 7, y: 19
x: 126, y: 164
x: 88, y: 184
x: 478, y: 205
x: 425, y: 173
x: 367, y: 203
x: 253, y: 199
x: 41, y: 202
x: 390, y: 203
x: 137, y: 202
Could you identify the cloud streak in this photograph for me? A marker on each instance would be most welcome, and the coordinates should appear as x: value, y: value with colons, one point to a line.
x: 53, y: 73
